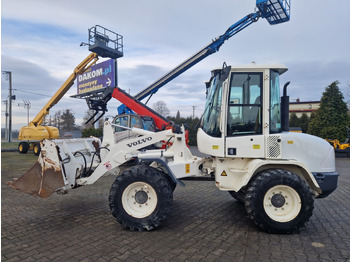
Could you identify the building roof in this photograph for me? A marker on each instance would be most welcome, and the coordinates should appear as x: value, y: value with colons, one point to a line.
x: 305, y: 102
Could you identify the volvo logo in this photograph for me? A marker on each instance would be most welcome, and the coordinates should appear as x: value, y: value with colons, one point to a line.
x: 138, y: 142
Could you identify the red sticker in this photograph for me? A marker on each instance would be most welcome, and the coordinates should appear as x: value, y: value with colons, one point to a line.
x: 108, y: 165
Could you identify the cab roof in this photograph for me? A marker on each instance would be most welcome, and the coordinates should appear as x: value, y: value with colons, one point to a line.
x: 280, y: 68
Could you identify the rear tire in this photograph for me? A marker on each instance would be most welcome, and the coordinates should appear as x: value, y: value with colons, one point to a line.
x: 23, y: 147
x: 279, y: 201
x: 36, y: 149
x: 140, y: 198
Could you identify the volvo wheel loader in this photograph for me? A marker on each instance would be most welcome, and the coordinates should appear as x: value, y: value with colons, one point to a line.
x: 276, y: 173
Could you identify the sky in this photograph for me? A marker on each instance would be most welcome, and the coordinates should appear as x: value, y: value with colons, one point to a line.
x: 40, y: 45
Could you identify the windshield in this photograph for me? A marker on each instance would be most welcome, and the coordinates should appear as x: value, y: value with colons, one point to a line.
x: 275, y: 106
x: 210, y: 122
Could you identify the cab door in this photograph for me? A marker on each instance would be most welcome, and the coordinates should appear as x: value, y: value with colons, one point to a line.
x: 244, y: 132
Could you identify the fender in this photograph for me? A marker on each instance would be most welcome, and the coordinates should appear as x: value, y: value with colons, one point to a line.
x: 163, y: 163
x: 233, y: 174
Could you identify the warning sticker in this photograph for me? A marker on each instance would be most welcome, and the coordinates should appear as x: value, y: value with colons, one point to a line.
x: 188, y: 168
x: 290, y: 142
x: 224, y: 173
x: 256, y: 146
x: 215, y: 147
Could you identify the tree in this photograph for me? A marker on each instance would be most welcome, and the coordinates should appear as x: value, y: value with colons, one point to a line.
x: 331, y: 118
x: 67, y: 121
x: 178, y: 115
x: 57, y: 120
x: 191, y: 124
x: 161, y: 108
x: 294, y: 120
x: 87, y: 132
x: 88, y: 114
x: 304, y: 122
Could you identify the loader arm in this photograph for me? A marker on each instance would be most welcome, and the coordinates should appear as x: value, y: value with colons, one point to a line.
x: 81, y: 68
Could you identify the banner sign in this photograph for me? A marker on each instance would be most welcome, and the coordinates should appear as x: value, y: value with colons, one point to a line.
x: 97, y: 77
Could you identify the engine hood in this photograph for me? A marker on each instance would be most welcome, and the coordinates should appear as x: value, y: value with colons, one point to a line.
x: 316, y: 153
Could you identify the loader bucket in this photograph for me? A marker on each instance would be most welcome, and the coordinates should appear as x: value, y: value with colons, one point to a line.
x: 45, y: 177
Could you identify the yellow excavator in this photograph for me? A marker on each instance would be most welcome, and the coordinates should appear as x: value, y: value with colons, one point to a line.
x: 341, y: 149
x: 35, y: 132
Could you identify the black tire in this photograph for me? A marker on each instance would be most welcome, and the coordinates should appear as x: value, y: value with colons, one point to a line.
x: 279, y: 201
x: 36, y: 149
x: 140, y: 198
x: 239, y: 196
x: 172, y: 184
x: 23, y: 147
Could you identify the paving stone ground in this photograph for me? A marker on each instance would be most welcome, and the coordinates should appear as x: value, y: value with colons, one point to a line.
x: 205, y: 225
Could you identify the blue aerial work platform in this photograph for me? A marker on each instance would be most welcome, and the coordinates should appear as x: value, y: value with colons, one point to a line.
x: 274, y: 11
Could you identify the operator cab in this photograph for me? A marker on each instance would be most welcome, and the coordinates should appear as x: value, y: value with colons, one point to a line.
x: 242, y: 111
x: 130, y: 121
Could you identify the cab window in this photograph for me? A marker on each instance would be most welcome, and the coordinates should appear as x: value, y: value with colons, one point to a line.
x: 148, y: 123
x: 135, y: 122
x: 245, y: 105
x: 275, y: 106
x: 210, y: 122
x: 122, y: 121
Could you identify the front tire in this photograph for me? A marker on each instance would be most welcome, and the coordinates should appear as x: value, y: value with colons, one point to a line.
x: 279, y: 201
x: 140, y: 198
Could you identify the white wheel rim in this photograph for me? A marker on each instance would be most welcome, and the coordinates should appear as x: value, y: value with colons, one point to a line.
x: 139, y: 199
x: 282, y: 203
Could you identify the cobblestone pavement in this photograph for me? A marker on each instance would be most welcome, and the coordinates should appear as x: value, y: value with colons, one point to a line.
x: 205, y: 225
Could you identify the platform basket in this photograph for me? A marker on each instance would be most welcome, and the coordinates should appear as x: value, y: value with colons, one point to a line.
x: 105, y: 43
x: 275, y: 11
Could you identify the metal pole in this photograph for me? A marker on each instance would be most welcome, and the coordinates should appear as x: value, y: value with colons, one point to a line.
x: 8, y: 75
x: 10, y: 106
x: 7, y: 116
x: 194, y: 107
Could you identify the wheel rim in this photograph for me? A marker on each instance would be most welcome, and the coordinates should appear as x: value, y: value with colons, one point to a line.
x: 36, y: 149
x: 20, y: 148
x: 139, y: 199
x: 282, y: 203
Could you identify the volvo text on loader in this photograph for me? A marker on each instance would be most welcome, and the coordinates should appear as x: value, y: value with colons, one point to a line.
x: 243, y: 132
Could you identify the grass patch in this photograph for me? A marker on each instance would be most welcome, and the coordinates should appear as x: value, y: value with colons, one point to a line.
x: 14, y: 161
x: 7, y: 145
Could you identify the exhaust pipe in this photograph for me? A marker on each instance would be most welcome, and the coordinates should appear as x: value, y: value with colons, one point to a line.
x: 285, y: 109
